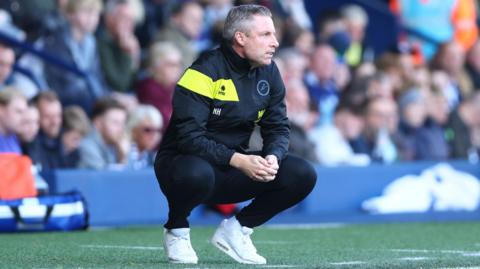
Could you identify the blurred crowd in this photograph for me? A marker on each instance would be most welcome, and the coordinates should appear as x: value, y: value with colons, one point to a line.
x: 89, y: 83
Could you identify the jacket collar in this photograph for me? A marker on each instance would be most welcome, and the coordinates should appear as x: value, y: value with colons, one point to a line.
x: 239, y: 64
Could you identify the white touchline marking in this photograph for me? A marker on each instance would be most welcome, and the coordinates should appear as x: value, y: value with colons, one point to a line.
x: 413, y: 258
x: 278, y: 266
x: 471, y: 254
x: 347, y: 263
x: 122, y: 247
x: 432, y: 251
x: 306, y: 226
x: 473, y: 267
x: 464, y: 253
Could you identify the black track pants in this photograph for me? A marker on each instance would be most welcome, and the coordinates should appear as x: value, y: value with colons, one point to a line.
x: 188, y: 181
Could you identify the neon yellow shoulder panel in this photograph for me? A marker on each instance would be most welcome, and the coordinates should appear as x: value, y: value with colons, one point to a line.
x: 222, y: 89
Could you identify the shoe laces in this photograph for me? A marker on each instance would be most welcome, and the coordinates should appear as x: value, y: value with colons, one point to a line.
x: 246, y: 241
x: 184, y: 240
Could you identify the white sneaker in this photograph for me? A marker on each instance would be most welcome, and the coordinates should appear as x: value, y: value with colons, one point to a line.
x: 178, y: 247
x: 233, y: 239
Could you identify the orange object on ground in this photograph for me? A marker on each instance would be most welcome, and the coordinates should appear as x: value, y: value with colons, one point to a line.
x: 16, y: 178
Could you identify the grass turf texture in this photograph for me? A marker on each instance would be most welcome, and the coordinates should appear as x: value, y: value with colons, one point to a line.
x: 403, y: 245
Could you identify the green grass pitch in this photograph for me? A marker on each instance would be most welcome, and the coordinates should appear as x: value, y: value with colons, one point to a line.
x: 401, y: 245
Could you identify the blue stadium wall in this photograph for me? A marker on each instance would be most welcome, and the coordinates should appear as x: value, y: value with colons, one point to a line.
x: 117, y: 198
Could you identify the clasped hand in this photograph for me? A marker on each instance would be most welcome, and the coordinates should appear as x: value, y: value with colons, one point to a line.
x: 256, y: 167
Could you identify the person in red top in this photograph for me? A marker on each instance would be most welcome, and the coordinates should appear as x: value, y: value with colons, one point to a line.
x: 157, y: 89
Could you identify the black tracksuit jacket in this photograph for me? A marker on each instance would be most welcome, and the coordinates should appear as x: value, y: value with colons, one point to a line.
x: 216, y: 104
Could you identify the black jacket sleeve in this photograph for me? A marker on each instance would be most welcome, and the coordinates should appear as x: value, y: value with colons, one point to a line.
x: 192, y: 110
x: 275, y: 127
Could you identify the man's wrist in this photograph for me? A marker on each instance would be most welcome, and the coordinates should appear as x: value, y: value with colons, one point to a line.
x: 236, y: 159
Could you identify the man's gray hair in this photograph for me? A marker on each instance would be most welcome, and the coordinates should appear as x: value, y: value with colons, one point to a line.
x: 239, y: 17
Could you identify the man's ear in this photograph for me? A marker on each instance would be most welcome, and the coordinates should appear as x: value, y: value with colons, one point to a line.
x: 240, y: 38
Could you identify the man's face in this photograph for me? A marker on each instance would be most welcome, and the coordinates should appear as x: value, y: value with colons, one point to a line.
x: 112, y: 125
x: 7, y: 58
x: 85, y: 19
x: 191, y: 20
x: 71, y: 140
x: 260, y: 42
x: 147, y: 135
x: 324, y: 62
x: 382, y: 113
x: 31, y: 124
x: 50, y: 117
x: 12, y: 115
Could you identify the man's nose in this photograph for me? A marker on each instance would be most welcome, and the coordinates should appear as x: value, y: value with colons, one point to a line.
x: 275, y: 42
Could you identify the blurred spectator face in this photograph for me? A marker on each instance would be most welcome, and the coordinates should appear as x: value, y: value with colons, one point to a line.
x: 381, y: 113
x: 111, y: 125
x: 349, y: 124
x: 50, y: 117
x: 414, y: 114
x: 324, y: 62
x: 167, y: 71
x: 406, y: 66
x: 71, y: 140
x: 437, y: 108
x: 474, y: 56
x: 380, y: 86
x: 85, y: 19
x: 12, y: 115
x: 297, y: 101
x: 452, y: 58
x: 356, y: 20
x: 421, y: 77
x: 190, y: 20
x: 147, y: 135
x: 121, y: 20
x: 305, y: 43
x: 295, y: 65
x: 31, y: 124
x: 7, y: 59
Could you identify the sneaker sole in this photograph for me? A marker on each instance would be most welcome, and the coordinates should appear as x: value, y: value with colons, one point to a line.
x: 222, y: 245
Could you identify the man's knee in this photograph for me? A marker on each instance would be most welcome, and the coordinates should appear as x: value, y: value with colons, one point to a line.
x: 191, y: 172
x: 298, y: 173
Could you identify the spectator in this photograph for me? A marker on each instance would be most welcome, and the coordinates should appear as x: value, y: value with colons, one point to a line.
x: 332, y: 140
x: 380, y: 138
x: 76, y: 44
x: 301, y: 120
x: 473, y: 64
x: 12, y: 110
x: 184, y: 28
x: 356, y: 20
x: 321, y: 83
x: 450, y: 58
x: 30, y: 127
x: 76, y: 126
x: 102, y: 148
x: 294, y: 64
x: 144, y: 131
x: 46, y: 150
x: 164, y: 70
x: 462, y: 122
x: 422, y: 139
x: 118, y: 47
x: 21, y: 79
x: 7, y: 59
x: 437, y: 106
